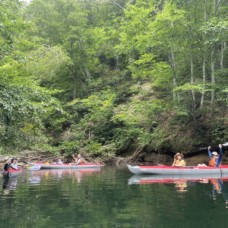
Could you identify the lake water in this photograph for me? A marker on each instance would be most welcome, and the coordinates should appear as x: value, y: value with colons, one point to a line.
x: 111, y: 198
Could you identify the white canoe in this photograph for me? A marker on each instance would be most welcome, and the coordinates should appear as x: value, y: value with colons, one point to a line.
x: 171, y: 170
x: 34, y: 167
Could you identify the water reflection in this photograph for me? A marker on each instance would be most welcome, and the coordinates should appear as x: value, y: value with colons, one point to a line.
x: 218, y: 188
x: 9, y: 184
x: 35, y: 180
x: 35, y: 177
x: 182, y: 183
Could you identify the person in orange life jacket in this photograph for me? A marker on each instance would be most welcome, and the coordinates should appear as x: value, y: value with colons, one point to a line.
x: 178, y: 160
x: 215, y: 158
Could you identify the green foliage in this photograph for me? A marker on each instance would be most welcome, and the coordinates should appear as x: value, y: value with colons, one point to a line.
x: 107, y: 78
x: 22, y: 112
x: 47, y: 62
x: 220, y: 135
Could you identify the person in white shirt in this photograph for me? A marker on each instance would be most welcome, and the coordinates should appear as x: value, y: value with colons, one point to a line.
x: 59, y: 162
x: 13, y: 164
x: 79, y: 160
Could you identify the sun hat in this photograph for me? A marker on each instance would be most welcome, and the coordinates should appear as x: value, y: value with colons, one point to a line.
x: 214, y: 153
x: 178, y: 154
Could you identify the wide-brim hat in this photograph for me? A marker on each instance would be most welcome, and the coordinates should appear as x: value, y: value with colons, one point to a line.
x: 178, y: 154
x: 214, y: 153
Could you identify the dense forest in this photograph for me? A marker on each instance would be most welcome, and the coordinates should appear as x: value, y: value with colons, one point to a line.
x: 113, y: 77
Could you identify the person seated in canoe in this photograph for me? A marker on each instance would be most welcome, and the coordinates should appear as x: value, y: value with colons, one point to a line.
x: 215, y: 158
x: 6, y: 166
x: 59, y: 162
x: 79, y: 159
x: 179, y: 160
x: 13, y: 164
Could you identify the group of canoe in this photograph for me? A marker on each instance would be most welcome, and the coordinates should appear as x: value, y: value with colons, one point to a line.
x: 178, y: 168
x: 11, y: 169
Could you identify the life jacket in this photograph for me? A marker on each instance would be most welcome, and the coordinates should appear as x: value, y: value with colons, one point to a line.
x: 212, y: 162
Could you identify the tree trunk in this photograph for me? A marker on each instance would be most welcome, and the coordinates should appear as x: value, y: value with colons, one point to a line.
x: 212, y: 74
x: 223, y: 48
x: 204, y: 81
x: 204, y: 61
x: 173, y: 65
x: 74, y: 92
x: 193, y: 92
x: 217, y: 8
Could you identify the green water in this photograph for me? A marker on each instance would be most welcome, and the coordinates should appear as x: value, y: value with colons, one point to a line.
x: 106, y: 199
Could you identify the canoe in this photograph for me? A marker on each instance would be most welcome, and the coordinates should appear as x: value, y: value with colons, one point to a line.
x: 170, y: 179
x: 68, y: 166
x: 34, y: 167
x: 12, y: 172
x: 168, y: 170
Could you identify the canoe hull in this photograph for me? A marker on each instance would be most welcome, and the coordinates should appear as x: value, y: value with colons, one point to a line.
x: 67, y: 166
x: 170, y: 170
x: 12, y: 173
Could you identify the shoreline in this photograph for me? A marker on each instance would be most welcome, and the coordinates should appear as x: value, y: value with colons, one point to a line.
x: 149, y: 159
x: 192, y: 159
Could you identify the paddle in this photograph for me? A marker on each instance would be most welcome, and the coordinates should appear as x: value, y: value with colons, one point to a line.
x: 224, y: 145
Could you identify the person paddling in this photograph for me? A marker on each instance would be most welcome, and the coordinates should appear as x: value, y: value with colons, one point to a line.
x: 59, y: 162
x: 215, y: 158
x: 6, y: 166
x: 79, y: 160
x: 179, y: 160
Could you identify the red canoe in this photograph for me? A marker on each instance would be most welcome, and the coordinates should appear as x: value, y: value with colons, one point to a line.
x: 12, y: 172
